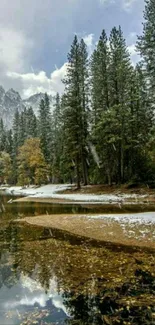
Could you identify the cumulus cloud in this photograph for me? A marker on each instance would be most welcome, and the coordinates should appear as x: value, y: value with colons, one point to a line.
x: 33, y: 292
x: 89, y: 40
x: 32, y: 83
x: 38, y: 33
x: 13, y: 46
x: 132, y: 49
x: 131, y: 42
x: 27, y: 29
x: 126, y: 4
x: 15, y: 58
x: 15, y: 49
x: 133, y: 53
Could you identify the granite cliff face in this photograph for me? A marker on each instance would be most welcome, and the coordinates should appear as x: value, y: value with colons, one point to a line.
x: 11, y: 100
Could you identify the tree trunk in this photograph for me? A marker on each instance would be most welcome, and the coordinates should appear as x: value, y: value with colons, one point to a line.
x: 78, y: 172
x: 109, y: 178
x: 122, y: 163
x: 85, y: 171
x: 119, y: 164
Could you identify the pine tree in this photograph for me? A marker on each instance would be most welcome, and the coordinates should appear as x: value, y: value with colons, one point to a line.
x: 57, y: 140
x: 16, y: 137
x: 2, y: 136
x: 84, y: 93
x: 146, y: 47
x: 120, y: 71
x: 75, y: 112
x: 22, y: 128
x: 31, y: 124
x: 45, y: 128
x: 9, y: 143
x: 99, y: 66
x: 139, y: 124
x: 99, y: 78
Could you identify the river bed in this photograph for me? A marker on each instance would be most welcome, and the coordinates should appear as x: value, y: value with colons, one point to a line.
x: 53, y: 278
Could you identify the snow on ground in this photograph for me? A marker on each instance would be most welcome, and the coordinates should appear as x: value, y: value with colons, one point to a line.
x: 51, y: 191
x: 44, y: 191
x: 138, y: 218
x: 134, y: 225
x: 137, y: 226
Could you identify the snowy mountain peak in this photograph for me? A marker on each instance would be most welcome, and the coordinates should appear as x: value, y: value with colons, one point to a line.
x: 2, y: 91
x: 11, y: 100
x: 12, y: 94
x: 34, y: 101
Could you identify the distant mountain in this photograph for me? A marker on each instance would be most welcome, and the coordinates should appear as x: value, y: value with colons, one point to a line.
x: 11, y: 100
x: 35, y: 100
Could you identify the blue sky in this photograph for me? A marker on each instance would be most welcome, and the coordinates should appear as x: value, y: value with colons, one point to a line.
x: 35, y: 37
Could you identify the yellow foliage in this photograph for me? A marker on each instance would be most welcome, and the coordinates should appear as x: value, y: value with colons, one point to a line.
x: 5, y: 166
x: 31, y: 162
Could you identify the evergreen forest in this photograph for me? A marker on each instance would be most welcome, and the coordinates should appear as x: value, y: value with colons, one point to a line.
x: 101, y: 129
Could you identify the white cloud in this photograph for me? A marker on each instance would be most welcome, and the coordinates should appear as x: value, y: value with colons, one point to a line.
x: 14, y: 47
x: 133, y: 53
x: 132, y: 49
x: 29, y: 30
x: 15, y: 54
x: 89, y: 40
x: 127, y: 4
x: 28, y: 37
x: 31, y: 83
x: 107, y: 1
x: 33, y: 292
x: 133, y: 35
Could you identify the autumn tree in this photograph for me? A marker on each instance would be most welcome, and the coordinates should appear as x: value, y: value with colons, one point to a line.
x: 5, y: 167
x: 32, y: 168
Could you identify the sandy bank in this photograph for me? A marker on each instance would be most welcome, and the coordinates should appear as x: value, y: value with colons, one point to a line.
x: 115, y: 229
x: 67, y: 193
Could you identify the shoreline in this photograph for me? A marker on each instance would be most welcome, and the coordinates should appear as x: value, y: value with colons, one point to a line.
x: 84, y: 202
x: 89, y: 195
x: 100, y: 207
x: 94, y: 227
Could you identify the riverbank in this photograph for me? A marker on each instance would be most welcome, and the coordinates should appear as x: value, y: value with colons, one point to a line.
x: 92, y: 194
x: 124, y: 229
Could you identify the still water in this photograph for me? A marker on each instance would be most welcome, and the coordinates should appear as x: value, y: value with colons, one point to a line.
x: 46, y: 278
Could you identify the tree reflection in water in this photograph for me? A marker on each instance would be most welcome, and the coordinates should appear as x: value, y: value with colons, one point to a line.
x: 71, y: 281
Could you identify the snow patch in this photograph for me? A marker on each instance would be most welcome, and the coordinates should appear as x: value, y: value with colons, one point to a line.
x: 50, y: 191
x: 141, y: 218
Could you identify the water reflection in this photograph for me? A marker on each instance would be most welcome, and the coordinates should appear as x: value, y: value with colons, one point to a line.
x: 19, y: 209
x: 27, y: 298
x: 53, y: 280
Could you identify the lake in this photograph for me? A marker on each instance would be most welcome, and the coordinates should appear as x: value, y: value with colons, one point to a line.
x: 52, y: 278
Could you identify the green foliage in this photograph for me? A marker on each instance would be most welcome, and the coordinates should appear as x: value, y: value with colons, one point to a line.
x: 146, y: 47
x: 75, y: 109
x: 102, y: 128
x: 45, y: 128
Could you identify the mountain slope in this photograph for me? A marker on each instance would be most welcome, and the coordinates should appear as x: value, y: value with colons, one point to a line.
x: 11, y: 100
x: 34, y: 102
